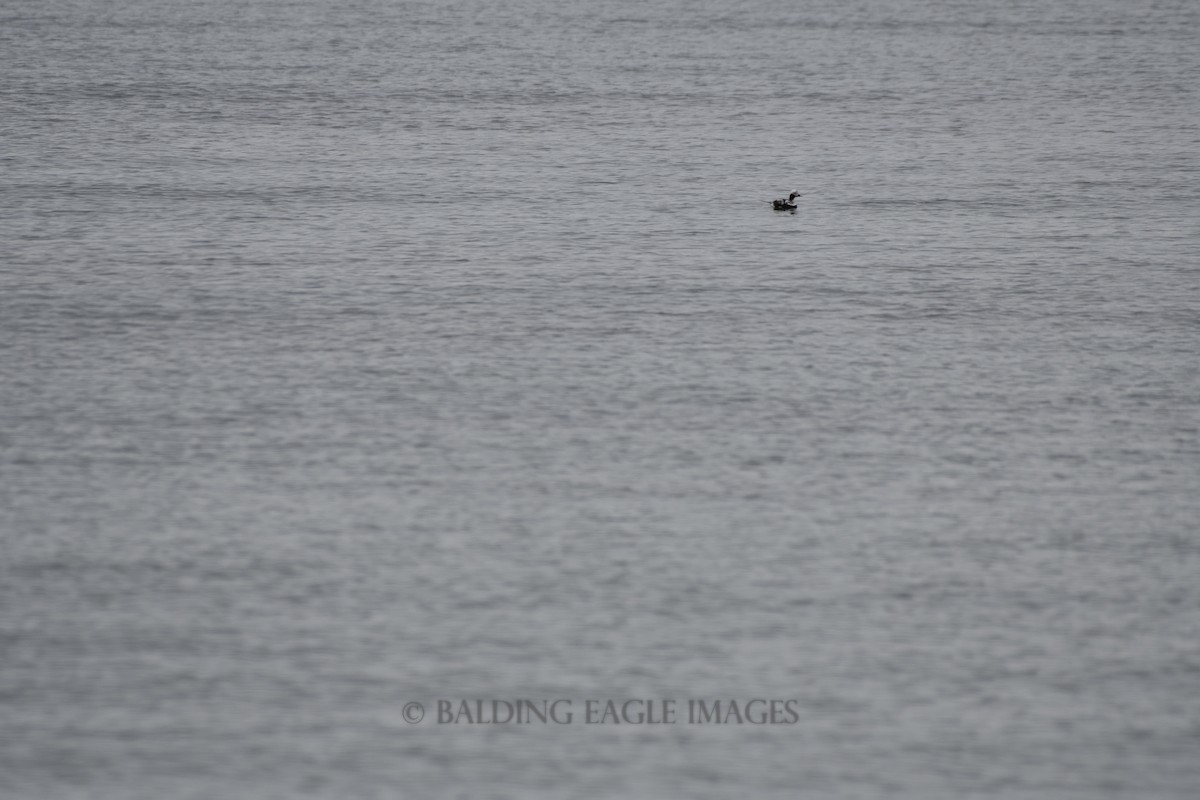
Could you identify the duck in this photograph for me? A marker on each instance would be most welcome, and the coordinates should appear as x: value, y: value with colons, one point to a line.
x: 785, y: 205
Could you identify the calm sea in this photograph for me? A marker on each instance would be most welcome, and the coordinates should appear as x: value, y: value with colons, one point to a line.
x: 366, y: 354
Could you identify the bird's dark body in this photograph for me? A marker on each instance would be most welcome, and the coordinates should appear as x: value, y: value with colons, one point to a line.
x: 785, y: 205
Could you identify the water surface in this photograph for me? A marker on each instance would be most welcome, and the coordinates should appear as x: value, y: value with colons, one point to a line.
x: 354, y: 355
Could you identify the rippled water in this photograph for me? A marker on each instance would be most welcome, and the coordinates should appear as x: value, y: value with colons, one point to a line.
x: 356, y: 355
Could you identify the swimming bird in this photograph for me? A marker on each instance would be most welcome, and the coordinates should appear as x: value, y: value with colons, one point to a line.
x: 785, y: 205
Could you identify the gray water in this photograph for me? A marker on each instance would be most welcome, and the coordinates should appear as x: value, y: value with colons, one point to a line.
x: 355, y: 355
